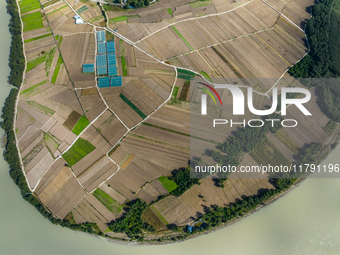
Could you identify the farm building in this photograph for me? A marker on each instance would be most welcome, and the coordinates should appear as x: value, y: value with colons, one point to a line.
x: 78, y: 19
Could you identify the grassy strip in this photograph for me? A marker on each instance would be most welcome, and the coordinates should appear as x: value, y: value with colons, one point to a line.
x: 78, y: 151
x: 57, y: 69
x: 41, y: 108
x: 32, y: 21
x: 140, y: 113
x: 37, y: 38
x: 175, y: 92
x: 186, y: 75
x: 32, y: 88
x: 35, y: 62
x: 49, y: 60
x: 168, y: 184
x: 200, y: 3
x: 170, y: 11
x: 181, y: 36
x: 120, y: 18
x: 81, y: 125
x: 29, y: 5
x: 159, y: 215
x: 108, y: 201
x: 124, y: 69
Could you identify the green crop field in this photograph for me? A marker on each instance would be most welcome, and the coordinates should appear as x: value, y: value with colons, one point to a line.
x: 200, y: 3
x: 170, y: 11
x: 29, y: 5
x: 168, y: 184
x: 266, y: 153
x: 120, y: 18
x: 32, y: 21
x: 49, y: 60
x: 175, y: 92
x: 35, y: 62
x: 206, y: 75
x: 124, y: 66
x: 184, y: 74
x: 140, y: 113
x: 79, y: 150
x: 108, y: 201
x: 81, y: 125
x: 57, y: 69
x: 181, y: 36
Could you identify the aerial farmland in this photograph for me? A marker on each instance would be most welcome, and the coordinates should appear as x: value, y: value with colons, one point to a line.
x: 109, y: 108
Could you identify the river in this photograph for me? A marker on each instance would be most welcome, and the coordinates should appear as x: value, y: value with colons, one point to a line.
x: 305, y: 221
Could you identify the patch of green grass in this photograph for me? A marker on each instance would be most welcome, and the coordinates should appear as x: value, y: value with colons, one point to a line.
x: 61, y: 38
x: 37, y: 38
x: 140, y: 113
x: 82, y: 123
x: 78, y: 151
x: 109, y: 36
x: 170, y: 11
x: 120, y: 18
x: 184, y: 74
x: 175, y: 92
x: 200, y: 3
x: 82, y: 9
x: 266, y: 153
x: 168, y: 184
x: 32, y: 88
x: 41, y: 108
x: 32, y: 21
x: 181, y: 36
x: 159, y: 215
x: 206, y: 75
x: 108, y: 201
x: 29, y: 5
x: 124, y: 69
x: 35, y: 62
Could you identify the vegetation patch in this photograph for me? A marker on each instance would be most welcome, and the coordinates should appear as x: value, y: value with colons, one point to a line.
x: 168, y: 184
x: 120, y: 18
x: 175, y: 92
x: 28, y: 5
x: 108, y: 201
x: 124, y: 68
x: 170, y: 11
x: 49, y: 60
x: 266, y: 153
x: 78, y: 151
x: 182, y: 37
x: 185, y: 74
x: 183, y: 180
x: 330, y: 127
x: 140, y: 113
x: 35, y: 62
x: 57, y: 69
x: 32, y: 21
x: 82, y: 123
x: 205, y: 75
x: 109, y: 36
x: 159, y: 215
x: 41, y: 108
x: 30, y: 89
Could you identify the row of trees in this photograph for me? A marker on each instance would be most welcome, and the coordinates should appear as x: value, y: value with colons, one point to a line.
x: 16, y: 57
x: 137, y: 3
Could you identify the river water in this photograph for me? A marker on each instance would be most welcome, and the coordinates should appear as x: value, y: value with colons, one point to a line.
x: 306, y: 221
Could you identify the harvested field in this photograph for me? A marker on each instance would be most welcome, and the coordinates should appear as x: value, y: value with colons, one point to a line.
x: 151, y: 218
x: 113, y: 193
x: 173, y: 211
